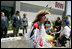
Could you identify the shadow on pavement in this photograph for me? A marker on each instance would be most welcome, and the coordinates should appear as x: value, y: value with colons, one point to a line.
x: 12, y: 35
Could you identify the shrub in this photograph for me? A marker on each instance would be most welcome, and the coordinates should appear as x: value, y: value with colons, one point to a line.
x: 10, y: 27
x: 53, y: 22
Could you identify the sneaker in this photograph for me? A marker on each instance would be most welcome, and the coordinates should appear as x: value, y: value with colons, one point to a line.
x: 20, y: 34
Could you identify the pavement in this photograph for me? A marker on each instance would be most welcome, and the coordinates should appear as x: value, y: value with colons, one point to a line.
x: 15, y: 42
x: 21, y: 42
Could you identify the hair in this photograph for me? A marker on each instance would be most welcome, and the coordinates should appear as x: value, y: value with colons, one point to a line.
x: 40, y: 14
x: 2, y: 12
x: 17, y: 12
x: 59, y: 18
x: 24, y: 14
x: 38, y: 18
x: 66, y: 17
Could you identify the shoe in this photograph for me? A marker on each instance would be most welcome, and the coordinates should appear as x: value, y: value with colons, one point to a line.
x: 63, y: 45
x: 20, y: 34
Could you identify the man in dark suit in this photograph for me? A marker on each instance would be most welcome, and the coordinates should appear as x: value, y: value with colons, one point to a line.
x: 4, y: 25
x: 16, y: 21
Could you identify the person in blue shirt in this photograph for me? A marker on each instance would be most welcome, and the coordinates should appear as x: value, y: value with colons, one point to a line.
x: 16, y: 22
x: 66, y: 20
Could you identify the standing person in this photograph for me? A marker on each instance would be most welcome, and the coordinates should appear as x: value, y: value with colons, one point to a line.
x: 24, y: 23
x: 47, y: 25
x: 4, y: 25
x: 38, y: 31
x: 66, y: 20
x: 47, y: 21
x: 58, y: 24
x: 16, y: 22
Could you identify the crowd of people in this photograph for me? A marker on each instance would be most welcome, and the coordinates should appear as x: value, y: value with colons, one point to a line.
x: 40, y: 25
x: 16, y: 21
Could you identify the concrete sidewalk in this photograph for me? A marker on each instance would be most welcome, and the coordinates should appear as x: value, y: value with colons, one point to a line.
x: 20, y: 31
x: 20, y: 41
x: 14, y: 42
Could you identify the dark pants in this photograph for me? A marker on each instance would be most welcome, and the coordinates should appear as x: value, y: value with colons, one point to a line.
x: 62, y: 41
x: 25, y: 28
x: 15, y: 31
x: 3, y: 32
x: 58, y: 29
x: 57, y: 35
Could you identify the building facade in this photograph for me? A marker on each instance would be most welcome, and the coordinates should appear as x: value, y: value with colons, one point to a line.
x: 56, y: 8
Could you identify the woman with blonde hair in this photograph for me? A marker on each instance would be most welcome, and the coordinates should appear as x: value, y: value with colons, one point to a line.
x: 24, y: 22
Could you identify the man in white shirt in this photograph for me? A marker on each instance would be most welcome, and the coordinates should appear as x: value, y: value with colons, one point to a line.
x: 65, y: 31
x: 64, y: 34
